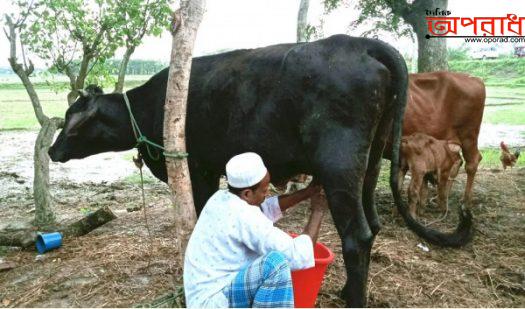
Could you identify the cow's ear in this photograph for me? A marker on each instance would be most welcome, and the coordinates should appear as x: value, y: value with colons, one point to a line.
x: 93, y: 89
x: 79, y: 119
x: 454, y: 147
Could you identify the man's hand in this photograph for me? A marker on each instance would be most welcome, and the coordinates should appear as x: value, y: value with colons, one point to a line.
x: 318, y: 201
x: 318, y: 206
x: 288, y: 200
x: 313, y: 188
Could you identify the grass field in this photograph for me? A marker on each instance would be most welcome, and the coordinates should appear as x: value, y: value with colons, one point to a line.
x: 509, y: 71
x: 16, y: 111
x: 504, y: 105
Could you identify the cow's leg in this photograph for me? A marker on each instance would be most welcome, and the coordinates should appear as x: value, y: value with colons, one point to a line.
x: 403, y: 170
x: 454, y: 170
x: 400, y: 180
x: 472, y: 158
x: 342, y: 173
x: 343, y: 188
x: 362, y: 246
x: 414, y: 190
x: 357, y: 238
x: 204, y: 183
x: 423, y: 197
x: 442, y: 191
x: 372, y: 175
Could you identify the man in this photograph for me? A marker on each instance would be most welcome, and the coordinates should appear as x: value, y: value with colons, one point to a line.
x: 235, y: 256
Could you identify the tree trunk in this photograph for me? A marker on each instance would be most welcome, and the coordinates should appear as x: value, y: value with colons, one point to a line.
x: 43, y: 211
x: 302, y: 21
x: 44, y: 215
x: 185, y: 24
x: 432, y: 53
x: 119, y: 86
x: 79, y: 81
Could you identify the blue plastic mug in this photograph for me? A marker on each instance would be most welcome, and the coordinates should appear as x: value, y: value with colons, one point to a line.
x: 48, y: 241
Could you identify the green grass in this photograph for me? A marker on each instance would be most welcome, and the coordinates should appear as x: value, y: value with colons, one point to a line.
x: 128, y: 155
x: 506, y: 92
x: 491, y: 158
x: 510, y: 114
x: 505, y: 105
x: 16, y: 110
x: 134, y: 179
x: 508, y: 71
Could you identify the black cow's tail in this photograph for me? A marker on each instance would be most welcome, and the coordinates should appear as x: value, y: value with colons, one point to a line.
x: 463, y: 233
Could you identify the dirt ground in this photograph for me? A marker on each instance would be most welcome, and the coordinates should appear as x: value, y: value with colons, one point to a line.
x: 120, y: 265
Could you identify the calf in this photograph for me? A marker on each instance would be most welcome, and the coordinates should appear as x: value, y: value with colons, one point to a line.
x: 447, y: 106
x: 423, y: 155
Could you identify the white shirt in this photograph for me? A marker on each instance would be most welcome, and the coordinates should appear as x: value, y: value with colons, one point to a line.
x: 229, y: 235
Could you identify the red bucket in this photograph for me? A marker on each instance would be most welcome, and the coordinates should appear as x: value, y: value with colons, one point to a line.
x: 307, y: 282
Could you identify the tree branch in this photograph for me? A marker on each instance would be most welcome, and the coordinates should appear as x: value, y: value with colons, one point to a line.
x: 11, y: 37
x: 7, y: 35
x: 24, y: 16
x: 146, y: 20
x: 400, y: 8
x: 23, y: 73
x: 30, y: 69
x: 98, y: 38
x: 26, y: 68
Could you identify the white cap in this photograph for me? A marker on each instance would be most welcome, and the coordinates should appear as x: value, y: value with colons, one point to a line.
x: 245, y: 170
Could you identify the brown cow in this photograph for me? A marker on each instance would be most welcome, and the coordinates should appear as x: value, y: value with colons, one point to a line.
x: 448, y: 106
x: 422, y: 155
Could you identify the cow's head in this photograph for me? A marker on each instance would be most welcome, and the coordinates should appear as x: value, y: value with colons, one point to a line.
x: 93, y: 124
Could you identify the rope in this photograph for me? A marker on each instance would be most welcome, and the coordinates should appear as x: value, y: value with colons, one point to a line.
x: 143, y: 140
x: 139, y: 163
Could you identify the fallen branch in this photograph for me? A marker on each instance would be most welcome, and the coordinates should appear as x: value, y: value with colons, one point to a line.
x: 20, y: 238
x: 26, y: 238
x: 90, y: 222
x: 173, y: 299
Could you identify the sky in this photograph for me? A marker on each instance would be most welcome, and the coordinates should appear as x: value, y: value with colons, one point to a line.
x: 234, y: 24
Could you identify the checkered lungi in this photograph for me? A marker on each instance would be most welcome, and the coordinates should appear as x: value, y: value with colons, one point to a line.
x: 265, y: 283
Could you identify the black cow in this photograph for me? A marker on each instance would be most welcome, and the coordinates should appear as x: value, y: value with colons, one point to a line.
x: 323, y: 108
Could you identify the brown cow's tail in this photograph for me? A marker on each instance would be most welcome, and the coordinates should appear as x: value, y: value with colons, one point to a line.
x: 463, y: 232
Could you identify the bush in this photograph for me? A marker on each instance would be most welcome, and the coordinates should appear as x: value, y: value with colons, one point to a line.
x: 460, y: 53
x: 503, y: 70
